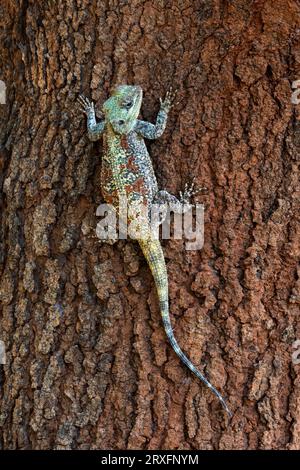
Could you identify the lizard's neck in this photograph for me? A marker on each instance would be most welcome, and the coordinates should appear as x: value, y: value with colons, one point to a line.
x: 117, y: 144
x: 127, y: 128
x: 114, y: 139
x: 111, y: 133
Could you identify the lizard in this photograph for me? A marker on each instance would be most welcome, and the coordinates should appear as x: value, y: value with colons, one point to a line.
x: 127, y: 171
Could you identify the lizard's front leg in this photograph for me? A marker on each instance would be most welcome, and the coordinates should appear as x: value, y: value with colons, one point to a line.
x: 151, y: 131
x: 87, y: 107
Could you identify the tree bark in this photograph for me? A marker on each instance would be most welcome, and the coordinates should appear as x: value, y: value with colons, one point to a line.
x: 88, y: 365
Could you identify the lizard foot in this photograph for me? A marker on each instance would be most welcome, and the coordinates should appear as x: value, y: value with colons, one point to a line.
x: 168, y: 102
x: 189, y: 192
x: 85, y: 105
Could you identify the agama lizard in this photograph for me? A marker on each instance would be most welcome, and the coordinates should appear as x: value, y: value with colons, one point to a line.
x: 127, y: 172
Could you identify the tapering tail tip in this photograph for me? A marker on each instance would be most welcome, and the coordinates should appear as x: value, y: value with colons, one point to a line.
x: 191, y: 366
x: 154, y: 255
x: 229, y: 413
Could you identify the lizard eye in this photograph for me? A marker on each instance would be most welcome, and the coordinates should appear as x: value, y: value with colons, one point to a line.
x: 121, y: 121
x: 129, y: 104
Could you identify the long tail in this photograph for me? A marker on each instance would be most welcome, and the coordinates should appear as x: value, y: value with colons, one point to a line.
x: 154, y: 255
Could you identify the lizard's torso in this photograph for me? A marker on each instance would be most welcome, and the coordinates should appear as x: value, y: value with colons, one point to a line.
x: 126, y: 169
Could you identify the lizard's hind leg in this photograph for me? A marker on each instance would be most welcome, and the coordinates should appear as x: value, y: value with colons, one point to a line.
x: 161, y: 205
x: 163, y: 198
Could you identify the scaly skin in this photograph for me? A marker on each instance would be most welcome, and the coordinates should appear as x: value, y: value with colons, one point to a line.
x: 127, y: 172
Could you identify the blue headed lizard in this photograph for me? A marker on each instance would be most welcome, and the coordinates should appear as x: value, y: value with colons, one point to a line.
x: 127, y: 172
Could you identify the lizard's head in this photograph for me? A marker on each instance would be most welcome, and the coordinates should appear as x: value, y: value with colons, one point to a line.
x: 123, y: 107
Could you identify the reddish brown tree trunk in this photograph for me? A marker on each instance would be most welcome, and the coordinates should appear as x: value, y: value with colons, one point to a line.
x: 88, y: 365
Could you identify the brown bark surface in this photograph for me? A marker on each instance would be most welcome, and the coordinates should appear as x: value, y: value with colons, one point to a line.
x: 88, y: 365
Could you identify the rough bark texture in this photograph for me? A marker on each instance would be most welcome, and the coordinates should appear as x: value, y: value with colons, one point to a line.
x: 88, y: 365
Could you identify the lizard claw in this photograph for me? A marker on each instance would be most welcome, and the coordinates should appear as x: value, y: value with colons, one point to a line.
x: 171, y: 95
x: 188, y: 192
x: 85, y: 105
x: 167, y: 103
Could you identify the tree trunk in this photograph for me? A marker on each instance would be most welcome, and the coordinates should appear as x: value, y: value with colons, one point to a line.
x: 87, y: 364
